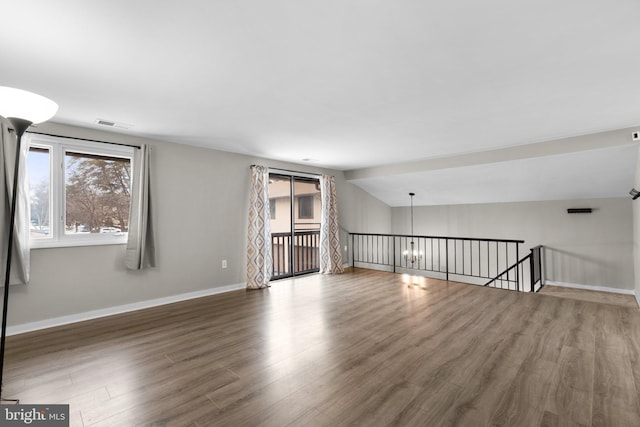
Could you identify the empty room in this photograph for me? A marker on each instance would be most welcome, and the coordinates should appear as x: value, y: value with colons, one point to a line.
x: 320, y: 213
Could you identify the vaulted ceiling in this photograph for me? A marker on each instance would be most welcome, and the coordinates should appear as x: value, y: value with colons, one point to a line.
x: 352, y: 84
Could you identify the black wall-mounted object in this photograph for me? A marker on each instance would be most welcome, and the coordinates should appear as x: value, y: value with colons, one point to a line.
x: 579, y: 210
x: 634, y: 193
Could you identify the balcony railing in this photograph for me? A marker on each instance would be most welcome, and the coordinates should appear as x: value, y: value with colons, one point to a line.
x: 526, y: 274
x: 490, y: 262
x: 305, y: 257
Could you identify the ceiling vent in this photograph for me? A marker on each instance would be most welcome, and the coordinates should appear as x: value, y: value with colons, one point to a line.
x: 111, y: 124
x: 105, y: 123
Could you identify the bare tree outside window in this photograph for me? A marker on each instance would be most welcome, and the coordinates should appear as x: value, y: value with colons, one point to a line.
x: 97, y: 193
x: 38, y: 164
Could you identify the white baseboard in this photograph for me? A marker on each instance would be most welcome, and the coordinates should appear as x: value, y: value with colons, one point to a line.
x: 637, y: 298
x: 591, y: 288
x: 88, y: 315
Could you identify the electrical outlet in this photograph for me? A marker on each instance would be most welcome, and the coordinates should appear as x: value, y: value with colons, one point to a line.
x: 224, y: 263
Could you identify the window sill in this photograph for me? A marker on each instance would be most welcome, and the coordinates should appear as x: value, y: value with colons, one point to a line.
x: 43, y: 244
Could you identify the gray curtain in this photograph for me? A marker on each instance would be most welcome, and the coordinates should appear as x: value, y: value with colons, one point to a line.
x: 140, y: 252
x: 20, y: 261
x: 330, y: 254
x: 259, y: 255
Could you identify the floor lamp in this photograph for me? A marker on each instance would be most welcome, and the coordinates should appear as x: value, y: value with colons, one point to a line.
x: 21, y: 109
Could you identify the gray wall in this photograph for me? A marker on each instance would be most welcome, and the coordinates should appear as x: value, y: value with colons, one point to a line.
x: 636, y: 232
x: 586, y: 249
x: 200, y: 200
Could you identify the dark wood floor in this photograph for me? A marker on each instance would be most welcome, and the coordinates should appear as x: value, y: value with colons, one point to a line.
x: 362, y: 348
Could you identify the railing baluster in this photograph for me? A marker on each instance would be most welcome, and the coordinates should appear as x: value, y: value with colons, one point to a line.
x: 425, y: 258
x: 383, y: 251
x: 305, y: 243
x: 471, y: 257
x: 506, y: 249
x: 497, y: 258
x: 479, y: 261
x: 447, y: 258
x: 353, y: 250
x: 517, y: 275
x: 404, y: 252
x: 488, y: 261
x: 280, y: 267
x: 374, y: 251
x: 455, y: 256
x: 394, y: 254
x: 365, y: 249
x: 464, y: 264
x: 532, y: 273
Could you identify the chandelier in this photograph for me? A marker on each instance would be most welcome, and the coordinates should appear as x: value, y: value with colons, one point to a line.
x: 412, y: 255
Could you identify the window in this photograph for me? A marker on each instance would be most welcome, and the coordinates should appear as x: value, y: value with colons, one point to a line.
x: 39, y: 168
x: 305, y: 207
x: 272, y: 208
x: 83, y: 201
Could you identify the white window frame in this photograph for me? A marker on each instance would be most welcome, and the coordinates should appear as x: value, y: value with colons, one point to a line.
x: 58, y: 146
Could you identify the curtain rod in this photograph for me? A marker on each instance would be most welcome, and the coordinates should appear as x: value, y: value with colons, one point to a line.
x: 85, y: 139
x: 290, y: 171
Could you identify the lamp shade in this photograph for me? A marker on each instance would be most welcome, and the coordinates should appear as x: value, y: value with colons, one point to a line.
x: 21, y: 104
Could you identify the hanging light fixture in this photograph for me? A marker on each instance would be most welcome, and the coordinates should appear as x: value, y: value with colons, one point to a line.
x: 21, y: 109
x: 412, y: 255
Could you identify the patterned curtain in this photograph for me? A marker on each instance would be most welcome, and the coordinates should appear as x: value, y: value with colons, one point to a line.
x: 330, y: 254
x: 259, y: 258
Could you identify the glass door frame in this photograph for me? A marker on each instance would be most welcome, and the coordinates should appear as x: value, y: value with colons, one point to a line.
x: 292, y: 239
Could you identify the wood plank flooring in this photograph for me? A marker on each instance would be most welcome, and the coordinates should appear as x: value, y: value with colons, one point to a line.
x: 586, y: 295
x: 362, y: 348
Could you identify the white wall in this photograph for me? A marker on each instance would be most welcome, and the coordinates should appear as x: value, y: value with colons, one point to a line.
x: 200, y: 200
x: 585, y: 249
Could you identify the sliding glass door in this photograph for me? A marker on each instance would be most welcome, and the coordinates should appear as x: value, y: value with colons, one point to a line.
x: 295, y: 224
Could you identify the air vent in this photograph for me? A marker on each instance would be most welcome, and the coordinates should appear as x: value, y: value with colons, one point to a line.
x: 112, y: 124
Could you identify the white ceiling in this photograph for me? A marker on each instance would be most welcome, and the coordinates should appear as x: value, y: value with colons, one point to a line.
x: 348, y: 83
x: 581, y: 175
